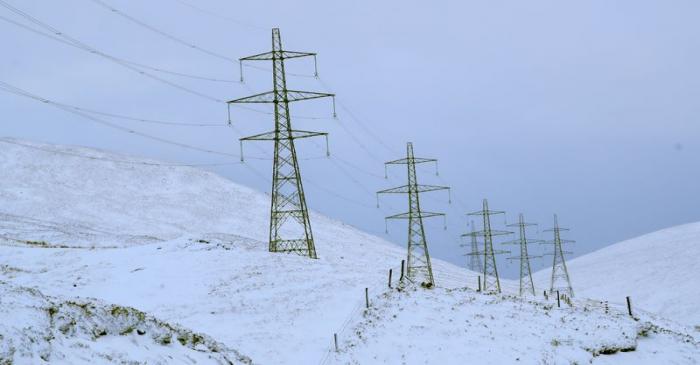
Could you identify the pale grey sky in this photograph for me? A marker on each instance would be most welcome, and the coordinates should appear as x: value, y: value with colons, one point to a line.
x: 587, y: 109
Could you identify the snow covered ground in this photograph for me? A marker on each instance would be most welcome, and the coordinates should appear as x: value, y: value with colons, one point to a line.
x: 659, y: 271
x: 188, y: 249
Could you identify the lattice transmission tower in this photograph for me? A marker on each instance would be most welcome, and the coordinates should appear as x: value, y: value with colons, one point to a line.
x: 474, y: 262
x: 490, y: 271
x: 526, y: 283
x: 560, y: 274
x: 418, y: 266
x: 290, y: 228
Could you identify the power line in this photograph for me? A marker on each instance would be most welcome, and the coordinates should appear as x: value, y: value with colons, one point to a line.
x: 162, y: 33
x: 93, y: 50
x: 217, y: 15
x: 142, y: 65
x: 347, y: 110
x: 17, y: 91
x: 130, y: 162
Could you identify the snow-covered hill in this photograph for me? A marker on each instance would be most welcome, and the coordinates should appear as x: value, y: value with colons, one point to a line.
x: 189, y: 248
x: 659, y: 271
x: 88, y: 332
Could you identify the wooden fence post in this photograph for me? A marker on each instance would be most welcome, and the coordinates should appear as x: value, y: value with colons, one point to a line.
x: 558, y: 303
x: 479, y: 290
x: 402, y: 265
x: 335, y: 339
x: 367, y: 297
x: 629, y: 306
x: 390, y: 277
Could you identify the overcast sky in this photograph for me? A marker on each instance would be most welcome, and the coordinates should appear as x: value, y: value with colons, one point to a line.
x: 588, y: 109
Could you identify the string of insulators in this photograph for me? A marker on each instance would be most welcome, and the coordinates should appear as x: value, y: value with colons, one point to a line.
x: 315, y: 67
x: 328, y: 150
x: 240, y: 66
x: 335, y: 115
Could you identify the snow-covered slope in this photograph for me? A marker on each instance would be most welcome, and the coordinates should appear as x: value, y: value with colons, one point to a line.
x: 659, y: 271
x: 189, y: 248
x: 89, y: 332
x: 184, y: 245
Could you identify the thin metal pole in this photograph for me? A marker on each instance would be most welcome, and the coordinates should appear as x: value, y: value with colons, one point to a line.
x: 479, y: 283
x: 403, y: 262
x: 335, y: 339
x: 367, y: 297
x: 390, y: 270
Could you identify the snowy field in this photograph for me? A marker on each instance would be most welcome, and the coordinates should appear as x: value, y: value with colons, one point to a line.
x: 183, y: 252
x: 659, y: 271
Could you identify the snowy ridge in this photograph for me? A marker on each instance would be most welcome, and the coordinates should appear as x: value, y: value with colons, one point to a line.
x: 658, y: 271
x: 87, y: 331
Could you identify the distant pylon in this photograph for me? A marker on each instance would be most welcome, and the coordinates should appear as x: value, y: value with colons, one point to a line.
x: 474, y: 263
x: 290, y: 228
x: 560, y: 275
x: 418, y: 261
x: 491, y: 281
x: 526, y: 284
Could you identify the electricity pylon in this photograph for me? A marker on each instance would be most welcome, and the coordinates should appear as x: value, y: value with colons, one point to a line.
x: 418, y: 261
x: 526, y: 284
x: 560, y: 275
x: 490, y: 271
x: 474, y: 263
x: 290, y: 228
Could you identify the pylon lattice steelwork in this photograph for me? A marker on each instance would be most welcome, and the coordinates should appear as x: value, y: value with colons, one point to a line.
x: 560, y: 274
x: 526, y: 284
x: 418, y: 261
x: 474, y: 263
x: 490, y: 270
x: 290, y: 228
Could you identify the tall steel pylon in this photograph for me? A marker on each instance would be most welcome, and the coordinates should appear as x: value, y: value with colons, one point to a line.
x: 418, y: 266
x: 526, y: 284
x: 474, y: 262
x: 491, y: 281
x: 560, y: 274
x: 290, y: 228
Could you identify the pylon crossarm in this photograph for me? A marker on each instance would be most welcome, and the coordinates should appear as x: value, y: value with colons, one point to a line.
x: 492, y: 232
x: 481, y: 253
x: 267, y: 56
x: 409, y: 215
x: 404, y: 161
x: 556, y: 229
x: 272, y: 136
x: 553, y: 242
x: 489, y: 212
x: 270, y: 97
x: 527, y: 257
x: 518, y: 241
x: 426, y: 188
x: 521, y: 224
x: 563, y: 252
